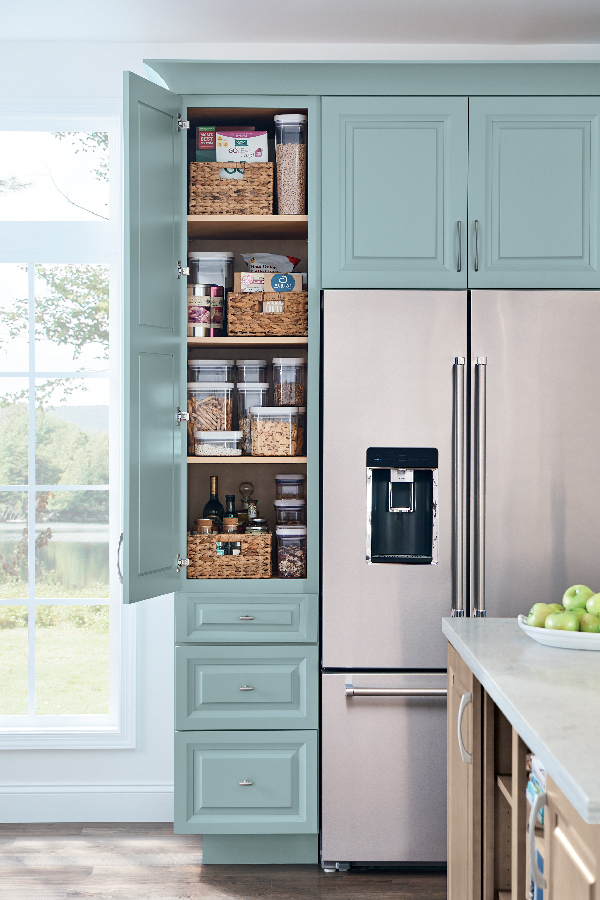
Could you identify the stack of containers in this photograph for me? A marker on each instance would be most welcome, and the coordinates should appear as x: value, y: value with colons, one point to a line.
x: 253, y: 393
x: 210, y: 390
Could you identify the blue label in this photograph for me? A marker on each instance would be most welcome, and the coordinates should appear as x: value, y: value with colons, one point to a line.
x: 282, y: 283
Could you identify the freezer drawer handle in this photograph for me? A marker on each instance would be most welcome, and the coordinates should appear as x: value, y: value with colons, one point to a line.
x: 464, y: 702
x: 245, y: 783
x: 540, y: 881
x: 246, y: 688
x: 352, y: 691
x: 246, y: 618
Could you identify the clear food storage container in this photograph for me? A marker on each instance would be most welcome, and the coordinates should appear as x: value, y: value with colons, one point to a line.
x: 288, y: 381
x: 277, y: 430
x: 212, y: 268
x: 290, y: 161
x: 218, y: 443
x: 291, y: 552
x: 210, y: 370
x: 290, y: 512
x: 251, y: 369
x: 209, y: 408
x: 250, y: 393
x: 290, y: 487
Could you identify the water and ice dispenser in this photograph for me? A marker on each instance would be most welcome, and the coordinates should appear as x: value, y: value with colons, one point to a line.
x: 402, y: 496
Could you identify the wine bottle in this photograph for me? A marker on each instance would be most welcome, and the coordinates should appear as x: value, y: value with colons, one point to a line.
x: 214, y: 508
x: 230, y: 506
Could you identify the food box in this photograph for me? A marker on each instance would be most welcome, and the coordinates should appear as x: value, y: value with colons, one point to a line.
x: 206, y: 143
x: 253, y: 282
x: 241, y: 146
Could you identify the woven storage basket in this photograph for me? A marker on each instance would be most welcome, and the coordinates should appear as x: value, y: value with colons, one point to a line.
x: 213, y: 195
x: 254, y: 561
x: 253, y: 314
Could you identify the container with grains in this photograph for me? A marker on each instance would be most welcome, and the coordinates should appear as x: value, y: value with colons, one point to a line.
x: 291, y: 552
x: 218, y: 443
x: 290, y: 154
x: 277, y: 430
x: 209, y: 408
x: 288, y: 381
x: 249, y: 394
x: 290, y: 487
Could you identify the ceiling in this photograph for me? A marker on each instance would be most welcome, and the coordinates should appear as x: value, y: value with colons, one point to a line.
x: 305, y: 21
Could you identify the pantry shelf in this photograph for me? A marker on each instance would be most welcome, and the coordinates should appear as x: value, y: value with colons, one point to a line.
x: 248, y: 342
x: 280, y: 460
x: 229, y: 226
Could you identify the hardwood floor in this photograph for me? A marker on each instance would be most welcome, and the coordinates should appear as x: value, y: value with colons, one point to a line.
x: 131, y: 861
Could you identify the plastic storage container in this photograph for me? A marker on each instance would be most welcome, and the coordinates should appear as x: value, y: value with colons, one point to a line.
x: 277, y: 430
x: 288, y: 381
x: 209, y: 408
x: 290, y: 156
x: 250, y: 394
x: 290, y: 487
x: 290, y: 512
x: 251, y: 369
x: 291, y: 552
x: 200, y: 370
x: 218, y: 443
x: 212, y: 267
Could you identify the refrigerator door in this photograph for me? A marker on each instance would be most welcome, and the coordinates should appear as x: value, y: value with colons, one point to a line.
x: 541, y: 450
x: 384, y: 771
x: 388, y: 382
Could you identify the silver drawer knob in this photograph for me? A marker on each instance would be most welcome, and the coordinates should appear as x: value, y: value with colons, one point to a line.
x: 245, y: 783
x: 246, y: 688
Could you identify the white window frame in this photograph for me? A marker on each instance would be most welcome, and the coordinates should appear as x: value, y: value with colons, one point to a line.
x: 63, y: 243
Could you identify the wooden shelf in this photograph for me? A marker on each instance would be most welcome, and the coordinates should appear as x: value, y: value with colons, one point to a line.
x: 279, y: 227
x: 280, y: 460
x: 504, y: 895
x: 247, y: 342
x: 505, y: 784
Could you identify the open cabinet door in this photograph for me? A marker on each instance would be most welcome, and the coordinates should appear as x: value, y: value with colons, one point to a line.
x: 154, y: 341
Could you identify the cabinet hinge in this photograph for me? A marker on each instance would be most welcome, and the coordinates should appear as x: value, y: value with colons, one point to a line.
x: 182, y: 124
x: 182, y: 416
x: 182, y: 562
x: 182, y: 270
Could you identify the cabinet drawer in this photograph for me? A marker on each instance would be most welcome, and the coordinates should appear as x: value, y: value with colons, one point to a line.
x: 212, y: 793
x: 213, y: 687
x: 230, y: 618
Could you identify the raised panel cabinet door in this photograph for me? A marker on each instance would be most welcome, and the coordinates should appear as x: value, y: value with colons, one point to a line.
x: 533, y: 192
x: 572, y: 861
x: 153, y: 340
x: 464, y: 783
x: 394, y: 192
x: 229, y: 618
x: 246, y: 782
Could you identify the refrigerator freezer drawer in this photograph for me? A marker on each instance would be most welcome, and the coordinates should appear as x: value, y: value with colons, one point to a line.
x: 384, y: 771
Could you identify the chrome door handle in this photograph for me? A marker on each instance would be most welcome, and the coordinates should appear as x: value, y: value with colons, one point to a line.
x: 478, y: 597
x: 476, y: 245
x: 352, y: 691
x: 458, y: 486
x: 245, y: 783
x: 246, y: 618
x: 464, y: 702
x: 246, y: 688
x: 459, y: 261
x: 119, y: 559
x: 540, y: 881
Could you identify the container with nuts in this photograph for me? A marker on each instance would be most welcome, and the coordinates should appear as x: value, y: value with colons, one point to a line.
x: 209, y: 408
x: 291, y: 552
x: 288, y: 381
x: 277, y: 430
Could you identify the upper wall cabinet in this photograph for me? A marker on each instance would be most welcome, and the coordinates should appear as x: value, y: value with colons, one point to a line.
x: 394, y: 192
x: 533, y: 192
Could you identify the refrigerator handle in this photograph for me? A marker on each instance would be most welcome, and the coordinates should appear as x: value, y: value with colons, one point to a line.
x: 478, y: 598
x: 352, y: 691
x: 458, y: 487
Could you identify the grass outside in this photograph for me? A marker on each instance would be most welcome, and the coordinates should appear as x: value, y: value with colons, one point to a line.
x: 53, y: 590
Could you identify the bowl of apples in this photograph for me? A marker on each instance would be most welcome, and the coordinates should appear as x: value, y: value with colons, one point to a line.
x: 572, y: 625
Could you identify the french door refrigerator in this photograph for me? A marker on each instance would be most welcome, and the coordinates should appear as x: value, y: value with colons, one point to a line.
x: 460, y: 475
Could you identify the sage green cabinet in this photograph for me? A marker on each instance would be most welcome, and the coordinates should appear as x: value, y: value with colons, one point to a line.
x: 253, y: 618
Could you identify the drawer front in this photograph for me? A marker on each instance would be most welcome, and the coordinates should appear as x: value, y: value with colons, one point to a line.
x: 229, y: 618
x: 246, y: 782
x: 246, y: 687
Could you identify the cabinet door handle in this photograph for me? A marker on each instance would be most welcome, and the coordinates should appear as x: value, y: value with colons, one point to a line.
x: 245, y: 783
x: 464, y: 702
x: 246, y: 618
x: 459, y: 260
x: 540, y: 881
x: 477, y: 245
x: 120, y: 574
x: 246, y: 688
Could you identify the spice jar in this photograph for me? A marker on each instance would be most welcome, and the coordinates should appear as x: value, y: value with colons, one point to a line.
x: 251, y: 393
x: 204, y: 526
x: 277, y: 430
x: 290, y: 155
x: 230, y: 525
x: 290, y: 487
x: 251, y: 369
x: 288, y: 381
x: 291, y: 552
x: 290, y: 512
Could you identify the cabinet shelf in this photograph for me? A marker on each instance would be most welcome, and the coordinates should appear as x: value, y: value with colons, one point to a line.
x: 226, y: 226
x: 247, y: 342
x: 280, y: 460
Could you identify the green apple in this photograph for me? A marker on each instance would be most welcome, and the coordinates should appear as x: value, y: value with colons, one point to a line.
x: 554, y: 620
x: 556, y: 607
x: 570, y: 622
x: 589, y: 623
x: 538, y: 614
x: 575, y: 596
x: 593, y: 605
x: 579, y: 612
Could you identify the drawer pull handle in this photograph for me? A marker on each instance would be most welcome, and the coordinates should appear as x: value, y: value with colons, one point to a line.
x: 246, y: 618
x: 246, y: 688
x: 245, y: 783
x: 464, y: 702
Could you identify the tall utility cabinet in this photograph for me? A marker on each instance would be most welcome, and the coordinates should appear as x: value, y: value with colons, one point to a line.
x: 430, y: 176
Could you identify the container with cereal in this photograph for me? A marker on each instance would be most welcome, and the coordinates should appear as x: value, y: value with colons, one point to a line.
x: 290, y: 487
x: 250, y: 393
x: 209, y: 408
x: 277, y: 430
x: 290, y: 151
x: 288, y: 381
x: 291, y: 552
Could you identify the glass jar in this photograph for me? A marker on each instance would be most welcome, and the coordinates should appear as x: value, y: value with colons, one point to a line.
x: 230, y: 525
x: 290, y: 487
x: 249, y: 394
x: 209, y: 408
x: 290, y: 157
x: 277, y: 430
x: 288, y: 381
x: 218, y: 443
x: 204, y: 526
x: 290, y: 512
x: 212, y: 267
x: 291, y: 552
x: 210, y: 370
x: 251, y: 370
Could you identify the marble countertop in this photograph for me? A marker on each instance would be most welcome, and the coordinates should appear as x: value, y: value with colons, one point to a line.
x: 550, y: 696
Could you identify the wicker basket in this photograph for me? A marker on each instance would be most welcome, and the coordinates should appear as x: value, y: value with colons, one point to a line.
x: 282, y: 314
x: 254, y: 561
x: 213, y: 195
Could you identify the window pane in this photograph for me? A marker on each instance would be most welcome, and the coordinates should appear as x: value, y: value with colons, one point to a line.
x: 71, y: 318
x: 14, y: 318
x: 13, y: 546
x: 71, y: 431
x: 14, y: 430
x: 71, y: 660
x: 71, y: 545
x: 53, y: 176
x: 13, y: 660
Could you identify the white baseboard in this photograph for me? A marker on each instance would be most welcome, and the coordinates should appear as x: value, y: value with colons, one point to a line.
x: 22, y: 803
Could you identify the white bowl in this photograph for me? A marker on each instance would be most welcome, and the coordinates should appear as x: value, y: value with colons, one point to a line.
x: 568, y: 640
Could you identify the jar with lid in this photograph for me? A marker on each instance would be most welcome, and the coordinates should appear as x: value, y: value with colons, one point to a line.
x: 204, y: 526
x: 290, y: 512
x: 209, y: 407
x: 251, y: 370
x: 249, y: 394
x: 198, y: 300
x: 288, y: 381
x: 290, y: 157
x: 291, y: 552
x: 277, y: 430
x: 212, y: 267
x: 210, y: 370
x: 290, y: 487
x: 218, y: 443
x: 230, y: 525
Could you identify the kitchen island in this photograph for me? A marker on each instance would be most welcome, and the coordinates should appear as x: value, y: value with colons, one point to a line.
x: 523, y: 697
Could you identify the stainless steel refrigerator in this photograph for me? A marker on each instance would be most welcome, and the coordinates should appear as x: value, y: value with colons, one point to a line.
x: 480, y: 413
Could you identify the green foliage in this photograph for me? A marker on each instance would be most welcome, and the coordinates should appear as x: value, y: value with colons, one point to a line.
x: 95, y: 142
x: 67, y: 617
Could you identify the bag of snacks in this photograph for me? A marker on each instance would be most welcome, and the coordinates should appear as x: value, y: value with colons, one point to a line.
x: 270, y: 262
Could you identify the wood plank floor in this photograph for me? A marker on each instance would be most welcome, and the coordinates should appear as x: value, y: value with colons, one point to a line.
x: 104, y: 861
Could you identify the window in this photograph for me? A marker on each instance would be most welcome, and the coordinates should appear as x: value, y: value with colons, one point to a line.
x: 65, y: 640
